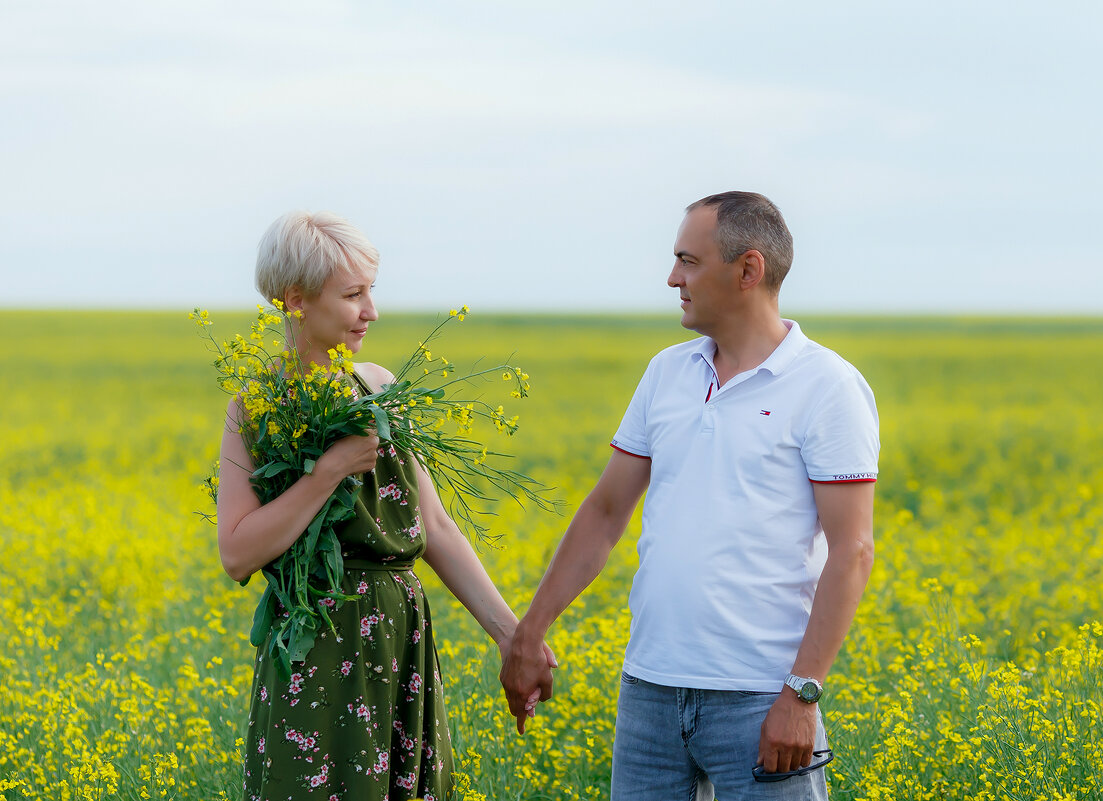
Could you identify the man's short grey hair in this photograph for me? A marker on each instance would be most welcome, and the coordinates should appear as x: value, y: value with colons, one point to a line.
x: 749, y: 221
x: 303, y: 249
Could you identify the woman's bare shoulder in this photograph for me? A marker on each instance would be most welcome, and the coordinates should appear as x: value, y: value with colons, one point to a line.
x: 374, y: 375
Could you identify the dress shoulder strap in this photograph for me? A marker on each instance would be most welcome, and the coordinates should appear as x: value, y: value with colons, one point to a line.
x: 360, y: 380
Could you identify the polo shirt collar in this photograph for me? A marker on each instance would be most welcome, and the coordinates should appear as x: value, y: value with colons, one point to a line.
x: 775, y: 363
x: 784, y: 353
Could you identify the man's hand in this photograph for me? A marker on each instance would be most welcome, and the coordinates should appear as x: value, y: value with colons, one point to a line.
x: 788, y: 734
x: 525, y: 675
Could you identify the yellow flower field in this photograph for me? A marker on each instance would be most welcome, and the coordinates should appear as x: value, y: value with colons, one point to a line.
x: 974, y: 669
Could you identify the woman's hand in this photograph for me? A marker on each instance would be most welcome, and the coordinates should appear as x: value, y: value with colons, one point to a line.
x: 526, y: 676
x: 351, y: 456
x: 251, y: 535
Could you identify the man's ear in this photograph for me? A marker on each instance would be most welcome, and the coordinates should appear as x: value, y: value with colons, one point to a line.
x: 752, y: 269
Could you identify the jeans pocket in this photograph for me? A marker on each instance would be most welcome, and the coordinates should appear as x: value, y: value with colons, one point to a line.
x: 628, y: 678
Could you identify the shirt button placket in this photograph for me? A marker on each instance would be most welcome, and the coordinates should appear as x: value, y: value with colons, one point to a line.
x: 707, y: 418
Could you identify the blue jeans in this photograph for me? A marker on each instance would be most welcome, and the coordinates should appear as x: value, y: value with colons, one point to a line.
x: 678, y: 744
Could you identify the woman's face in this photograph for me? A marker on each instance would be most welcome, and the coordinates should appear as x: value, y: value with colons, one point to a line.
x: 340, y: 313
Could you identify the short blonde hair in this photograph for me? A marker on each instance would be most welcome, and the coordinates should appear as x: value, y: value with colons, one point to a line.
x: 303, y: 249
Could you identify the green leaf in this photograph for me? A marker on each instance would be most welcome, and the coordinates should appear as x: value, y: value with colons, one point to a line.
x: 344, y: 496
x: 335, y: 561
x: 271, y: 469
x: 282, y: 596
x: 303, y: 631
x: 282, y: 659
x: 262, y: 618
x: 308, y: 466
x: 382, y: 423
x: 315, y: 526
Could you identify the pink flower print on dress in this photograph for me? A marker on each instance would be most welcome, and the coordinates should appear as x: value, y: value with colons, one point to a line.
x: 263, y: 693
x: 416, y: 636
x: 367, y: 622
x: 346, y: 668
x: 394, y: 664
x: 415, y: 683
x: 414, y: 531
x: 360, y: 709
x: 296, y: 685
x: 322, y: 777
x: 405, y: 782
x: 260, y: 745
x: 391, y: 492
x: 382, y: 763
x: 362, y: 588
x: 402, y: 583
x: 303, y: 741
x: 328, y: 602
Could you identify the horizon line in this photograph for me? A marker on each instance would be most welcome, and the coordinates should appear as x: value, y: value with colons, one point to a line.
x: 502, y: 311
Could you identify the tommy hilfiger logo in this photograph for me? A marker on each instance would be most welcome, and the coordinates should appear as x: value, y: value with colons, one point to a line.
x: 765, y: 412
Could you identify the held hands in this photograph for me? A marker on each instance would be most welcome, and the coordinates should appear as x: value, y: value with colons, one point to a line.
x: 526, y: 675
x: 788, y: 734
x: 352, y: 455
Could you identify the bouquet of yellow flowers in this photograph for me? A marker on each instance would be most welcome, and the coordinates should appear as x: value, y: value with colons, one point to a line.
x: 293, y: 412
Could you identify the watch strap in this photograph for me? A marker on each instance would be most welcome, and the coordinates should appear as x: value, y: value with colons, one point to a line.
x: 799, y: 685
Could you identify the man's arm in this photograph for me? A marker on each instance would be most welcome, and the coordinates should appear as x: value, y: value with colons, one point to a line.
x: 596, y: 527
x: 846, y: 514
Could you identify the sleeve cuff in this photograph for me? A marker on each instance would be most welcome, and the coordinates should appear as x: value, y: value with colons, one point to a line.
x: 843, y: 478
x: 617, y: 447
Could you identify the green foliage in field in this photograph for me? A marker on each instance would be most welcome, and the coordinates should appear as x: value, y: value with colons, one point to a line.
x: 973, y: 670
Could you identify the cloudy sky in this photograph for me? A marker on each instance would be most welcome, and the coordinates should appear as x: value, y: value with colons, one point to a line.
x: 936, y: 156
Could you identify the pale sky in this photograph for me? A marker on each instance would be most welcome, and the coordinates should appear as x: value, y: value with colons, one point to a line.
x: 935, y: 156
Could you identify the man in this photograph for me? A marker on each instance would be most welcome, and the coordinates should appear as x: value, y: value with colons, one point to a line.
x: 758, y: 451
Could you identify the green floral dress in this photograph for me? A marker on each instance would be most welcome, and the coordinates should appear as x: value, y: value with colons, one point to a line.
x: 363, y: 718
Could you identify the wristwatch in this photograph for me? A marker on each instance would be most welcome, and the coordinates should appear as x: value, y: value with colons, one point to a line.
x: 808, y: 690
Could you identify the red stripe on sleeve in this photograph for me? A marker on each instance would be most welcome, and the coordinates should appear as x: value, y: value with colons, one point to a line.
x: 847, y: 481
x: 622, y: 450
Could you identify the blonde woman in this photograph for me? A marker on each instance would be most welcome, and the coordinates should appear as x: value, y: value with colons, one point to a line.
x: 364, y: 717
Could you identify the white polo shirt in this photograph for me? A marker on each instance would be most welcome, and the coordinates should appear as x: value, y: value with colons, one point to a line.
x: 732, y: 548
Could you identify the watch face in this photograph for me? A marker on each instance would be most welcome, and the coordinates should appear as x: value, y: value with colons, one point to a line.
x: 809, y: 691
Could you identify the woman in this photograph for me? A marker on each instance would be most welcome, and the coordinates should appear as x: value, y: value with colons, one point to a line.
x: 363, y: 717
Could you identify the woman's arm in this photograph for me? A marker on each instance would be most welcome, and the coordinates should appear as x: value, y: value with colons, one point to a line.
x: 453, y: 559
x: 250, y: 535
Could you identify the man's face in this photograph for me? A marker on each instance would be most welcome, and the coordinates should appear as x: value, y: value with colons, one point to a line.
x: 705, y: 283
